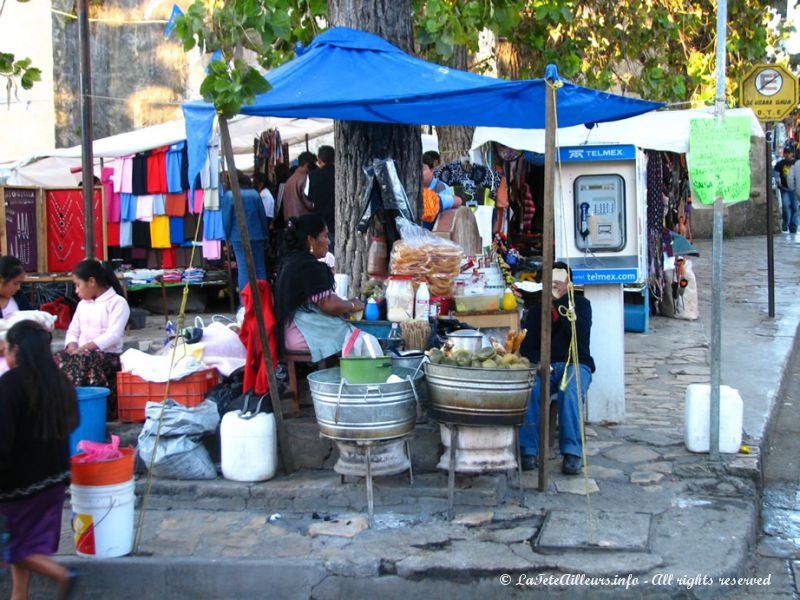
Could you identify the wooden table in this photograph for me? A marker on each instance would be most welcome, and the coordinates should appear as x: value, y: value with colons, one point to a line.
x: 489, y: 319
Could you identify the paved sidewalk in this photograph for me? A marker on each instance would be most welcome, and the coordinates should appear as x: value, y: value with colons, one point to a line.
x: 662, y: 519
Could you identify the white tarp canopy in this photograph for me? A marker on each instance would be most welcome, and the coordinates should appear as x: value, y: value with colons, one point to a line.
x: 52, y: 168
x: 667, y: 131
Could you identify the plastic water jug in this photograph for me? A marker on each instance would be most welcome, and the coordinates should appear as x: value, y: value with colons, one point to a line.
x: 248, y: 444
x: 697, y: 418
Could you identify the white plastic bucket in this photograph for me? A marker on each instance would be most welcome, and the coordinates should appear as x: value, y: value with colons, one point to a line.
x: 102, y: 519
x: 697, y: 419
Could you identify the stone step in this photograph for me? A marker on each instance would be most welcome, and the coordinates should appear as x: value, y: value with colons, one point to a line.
x: 323, y: 490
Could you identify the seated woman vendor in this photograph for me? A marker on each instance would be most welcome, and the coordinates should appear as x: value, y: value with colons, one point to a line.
x: 94, y: 338
x: 436, y: 195
x: 12, y: 274
x: 307, y: 311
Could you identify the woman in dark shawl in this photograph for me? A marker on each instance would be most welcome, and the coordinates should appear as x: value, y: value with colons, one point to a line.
x: 308, y: 312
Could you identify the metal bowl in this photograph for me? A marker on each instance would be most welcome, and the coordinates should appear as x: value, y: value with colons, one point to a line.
x: 466, y: 339
x: 472, y: 396
x: 377, y: 411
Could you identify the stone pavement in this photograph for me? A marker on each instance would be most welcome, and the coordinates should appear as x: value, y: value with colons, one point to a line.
x: 662, y: 523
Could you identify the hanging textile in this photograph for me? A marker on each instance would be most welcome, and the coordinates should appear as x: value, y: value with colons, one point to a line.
x: 255, y: 372
x: 655, y: 224
x: 65, y: 227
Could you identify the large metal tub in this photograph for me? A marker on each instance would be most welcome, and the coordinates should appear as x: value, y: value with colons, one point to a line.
x: 364, y: 412
x: 470, y: 396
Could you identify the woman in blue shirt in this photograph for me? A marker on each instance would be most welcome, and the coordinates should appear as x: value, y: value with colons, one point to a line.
x: 258, y: 228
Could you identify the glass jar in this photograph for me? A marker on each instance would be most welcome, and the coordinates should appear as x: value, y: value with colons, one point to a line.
x: 399, y: 299
x: 377, y: 257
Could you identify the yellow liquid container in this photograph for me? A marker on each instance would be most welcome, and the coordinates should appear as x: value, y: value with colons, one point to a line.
x: 509, y: 300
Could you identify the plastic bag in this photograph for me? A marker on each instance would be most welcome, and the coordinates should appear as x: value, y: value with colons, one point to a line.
x: 180, y: 419
x: 420, y: 253
x: 98, y: 451
x: 360, y: 343
x: 178, y: 457
x: 180, y: 454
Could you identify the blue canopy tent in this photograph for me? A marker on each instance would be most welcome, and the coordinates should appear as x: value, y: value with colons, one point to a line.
x: 350, y: 75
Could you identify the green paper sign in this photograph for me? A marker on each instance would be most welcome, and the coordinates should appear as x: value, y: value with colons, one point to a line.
x: 719, y: 159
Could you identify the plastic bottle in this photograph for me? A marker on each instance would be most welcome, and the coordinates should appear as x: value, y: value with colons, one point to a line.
x: 371, y: 311
x: 395, y: 338
x: 422, y: 302
x: 509, y: 300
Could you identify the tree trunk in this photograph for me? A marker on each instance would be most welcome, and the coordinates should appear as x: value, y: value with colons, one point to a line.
x: 357, y: 143
x: 507, y: 59
x: 455, y: 140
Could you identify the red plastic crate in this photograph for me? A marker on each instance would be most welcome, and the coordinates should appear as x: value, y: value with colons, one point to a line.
x: 134, y: 392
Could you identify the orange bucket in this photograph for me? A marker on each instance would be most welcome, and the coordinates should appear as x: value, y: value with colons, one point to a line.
x: 107, y: 472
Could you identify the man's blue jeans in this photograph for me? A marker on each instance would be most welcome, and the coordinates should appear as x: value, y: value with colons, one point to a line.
x: 789, y: 216
x: 258, y: 248
x: 569, y: 425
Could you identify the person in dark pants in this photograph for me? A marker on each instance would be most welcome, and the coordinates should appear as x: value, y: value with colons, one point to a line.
x: 569, y: 426
x: 38, y: 411
x: 322, y: 190
x: 788, y: 180
x: 258, y: 228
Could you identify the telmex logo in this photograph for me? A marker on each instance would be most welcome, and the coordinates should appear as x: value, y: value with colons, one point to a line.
x: 576, y: 154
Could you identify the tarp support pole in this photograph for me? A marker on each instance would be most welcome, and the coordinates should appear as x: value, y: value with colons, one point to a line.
x: 244, y: 234
x: 548, y: 233
x: 87, y: 162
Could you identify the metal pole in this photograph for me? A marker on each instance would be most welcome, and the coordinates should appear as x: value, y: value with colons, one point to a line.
x: 770, y: 127
x: 716, y: 260
x: 244, y: 234
x: 548, y: 233
x: 87, y: 162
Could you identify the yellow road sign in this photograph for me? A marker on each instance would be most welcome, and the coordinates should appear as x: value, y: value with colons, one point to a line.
x: 770, y: 90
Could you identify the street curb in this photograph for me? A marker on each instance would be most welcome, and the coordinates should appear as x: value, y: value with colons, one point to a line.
x: 780, y: 392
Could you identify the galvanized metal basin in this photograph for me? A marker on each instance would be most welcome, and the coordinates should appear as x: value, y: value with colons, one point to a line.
x: 377, y: 411
x: 470, y: 396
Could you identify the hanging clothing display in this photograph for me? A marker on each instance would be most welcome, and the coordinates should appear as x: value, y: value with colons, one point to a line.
x: 174, y: 168
x: 157, y: 170
x: 159, y: 232
x: 159, y: 204
x: 144, y: 208
x: 123, y: 174
x: 139, y: 174
x: 175, y: 205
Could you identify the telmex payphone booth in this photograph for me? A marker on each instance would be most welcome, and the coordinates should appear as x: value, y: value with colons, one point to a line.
x: 600, y: 224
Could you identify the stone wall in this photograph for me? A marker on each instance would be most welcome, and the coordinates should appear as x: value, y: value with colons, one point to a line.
x: 139, y: 78
x: 743, y: 218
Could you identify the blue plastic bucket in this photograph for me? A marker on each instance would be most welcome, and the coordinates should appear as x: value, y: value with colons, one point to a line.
x: 92, y: 410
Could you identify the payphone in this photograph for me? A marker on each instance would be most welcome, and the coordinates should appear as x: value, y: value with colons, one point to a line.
x: 600, y: 212
x: 600, y: 227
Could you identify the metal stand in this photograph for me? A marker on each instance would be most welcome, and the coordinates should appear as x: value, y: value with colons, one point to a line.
x: 370, y: 490
x: 451, y: 474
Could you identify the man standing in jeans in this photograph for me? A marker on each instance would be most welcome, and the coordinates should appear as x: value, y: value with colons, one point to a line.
x: 788, y: 180
x: 569, y: 426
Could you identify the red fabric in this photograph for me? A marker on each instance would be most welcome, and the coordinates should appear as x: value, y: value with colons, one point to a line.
x: 61, y: 310
x: 169, y: 259
x: 65, y: 241
x: 255, y: 374
x: 175, y: 205
x: 157, y: 171
x: 112, y: 232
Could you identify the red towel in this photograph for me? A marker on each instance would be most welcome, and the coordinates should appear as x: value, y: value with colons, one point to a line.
x: 255, y: 373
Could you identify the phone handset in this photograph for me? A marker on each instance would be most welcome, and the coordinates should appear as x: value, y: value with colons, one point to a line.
x: 584, y: 222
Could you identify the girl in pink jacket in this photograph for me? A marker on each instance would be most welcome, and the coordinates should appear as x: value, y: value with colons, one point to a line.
x: 94, y: 337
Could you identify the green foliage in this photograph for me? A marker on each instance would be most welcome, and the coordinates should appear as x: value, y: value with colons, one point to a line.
x: 18, y: 72
x: 440, y: 25
x: 268, y: 29
x: 656, y: 49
